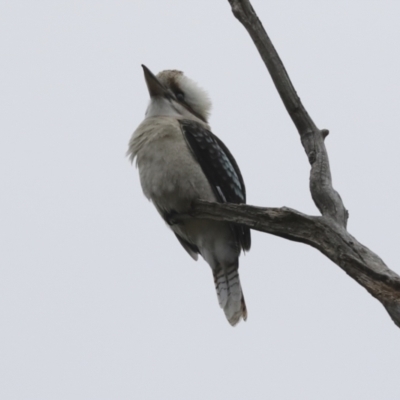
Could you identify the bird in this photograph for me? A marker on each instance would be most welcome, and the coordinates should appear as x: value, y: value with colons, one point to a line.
x: 180, y: 160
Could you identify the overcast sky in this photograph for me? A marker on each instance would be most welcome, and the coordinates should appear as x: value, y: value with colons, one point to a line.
x: 97, y: 298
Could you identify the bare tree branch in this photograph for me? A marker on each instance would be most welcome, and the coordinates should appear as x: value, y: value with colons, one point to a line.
x: 322, y: 233
x: 327, y: 233
x: 325, y: 197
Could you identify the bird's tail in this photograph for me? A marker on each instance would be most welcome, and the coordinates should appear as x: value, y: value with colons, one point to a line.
x: 229, y: 292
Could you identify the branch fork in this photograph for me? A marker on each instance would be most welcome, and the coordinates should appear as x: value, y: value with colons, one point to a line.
x: 327, y: 232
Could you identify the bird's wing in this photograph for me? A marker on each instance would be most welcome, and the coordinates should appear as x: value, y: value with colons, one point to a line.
x: 219, y: 167
x: 192, y: 249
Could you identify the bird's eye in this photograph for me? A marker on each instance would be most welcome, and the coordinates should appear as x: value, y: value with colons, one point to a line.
x: 180, y: 96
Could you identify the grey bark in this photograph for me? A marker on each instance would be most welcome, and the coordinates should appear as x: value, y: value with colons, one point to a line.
x: 327, y: 232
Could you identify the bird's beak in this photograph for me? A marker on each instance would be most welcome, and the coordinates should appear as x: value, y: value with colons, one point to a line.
x: 153, y: 84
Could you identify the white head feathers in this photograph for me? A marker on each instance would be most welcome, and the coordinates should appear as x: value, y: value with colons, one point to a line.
x: 187, y: 92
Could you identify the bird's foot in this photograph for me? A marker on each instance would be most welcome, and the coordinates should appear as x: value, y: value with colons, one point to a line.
x: 171, y: 217
x: 174, y: 218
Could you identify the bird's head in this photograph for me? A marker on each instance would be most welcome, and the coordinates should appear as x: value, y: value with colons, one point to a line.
x: 174, y: 94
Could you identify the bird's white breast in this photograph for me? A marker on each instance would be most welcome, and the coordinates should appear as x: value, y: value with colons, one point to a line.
x: 169, y: 174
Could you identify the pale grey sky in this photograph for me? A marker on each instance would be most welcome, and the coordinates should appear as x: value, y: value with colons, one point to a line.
x: 97, y: 298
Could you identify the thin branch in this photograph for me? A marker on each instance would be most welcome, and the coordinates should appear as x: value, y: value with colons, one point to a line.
x: 327, y: 233
x: 324, y: 195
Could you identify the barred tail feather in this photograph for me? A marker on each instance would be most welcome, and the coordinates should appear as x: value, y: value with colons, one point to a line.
x: 230, y: 295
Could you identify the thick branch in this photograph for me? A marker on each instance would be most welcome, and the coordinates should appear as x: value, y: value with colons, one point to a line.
x: 319, y: 232
x: 325, y: 197
x: 328, y: 233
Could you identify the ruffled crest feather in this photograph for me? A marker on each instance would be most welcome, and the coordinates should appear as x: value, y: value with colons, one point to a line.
x: 195, y: 96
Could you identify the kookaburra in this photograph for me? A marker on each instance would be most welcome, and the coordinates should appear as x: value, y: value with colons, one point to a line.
x: 180, y: 160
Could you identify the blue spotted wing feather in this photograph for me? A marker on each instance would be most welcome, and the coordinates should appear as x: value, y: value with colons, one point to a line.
x: 220, y: 168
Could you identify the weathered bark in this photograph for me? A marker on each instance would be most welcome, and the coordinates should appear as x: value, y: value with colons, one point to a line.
x: 325, y: 197
x: 322, y: 233
x: 327, y: 233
